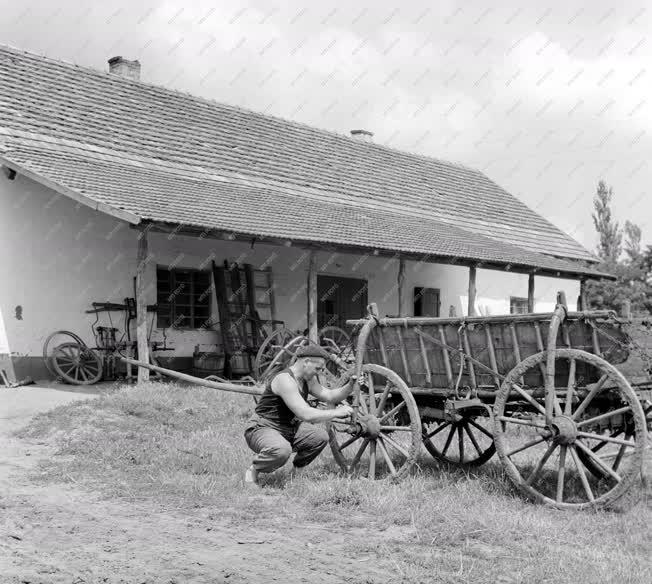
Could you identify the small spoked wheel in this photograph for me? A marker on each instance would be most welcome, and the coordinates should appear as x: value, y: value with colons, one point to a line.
x: 384, y: 440
x: 76, y: 364
x: 277, y: 349
x: 465, y: 442
x: 335, y: 339
x: 591, y: 452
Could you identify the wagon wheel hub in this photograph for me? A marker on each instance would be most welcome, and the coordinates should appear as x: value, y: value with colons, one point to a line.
x: 563, y: 430
x: 369, y: 426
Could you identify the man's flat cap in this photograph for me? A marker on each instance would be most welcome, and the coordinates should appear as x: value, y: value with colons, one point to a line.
x: 312, y: 350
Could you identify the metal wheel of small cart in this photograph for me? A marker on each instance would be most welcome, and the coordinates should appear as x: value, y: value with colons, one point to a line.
x: 466, y: 442
x: 277, y: 349
x: 385, y: 439
x: 76, y: 364
x: 543, y: 459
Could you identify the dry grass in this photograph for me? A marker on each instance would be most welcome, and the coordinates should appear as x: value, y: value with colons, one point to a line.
x: 183, y: 447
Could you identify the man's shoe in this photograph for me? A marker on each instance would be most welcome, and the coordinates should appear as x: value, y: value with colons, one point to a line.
x: 251, y: 478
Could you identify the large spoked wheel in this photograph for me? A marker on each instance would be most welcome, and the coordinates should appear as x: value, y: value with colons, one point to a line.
x: 465, y: 442
x: 277, y: 349
x: 76, y: 364
x: 555, y: 463
x: 385, y: 439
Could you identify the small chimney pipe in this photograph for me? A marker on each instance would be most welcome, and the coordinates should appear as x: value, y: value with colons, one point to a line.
x: 124, y: 68
x: 362, y: 135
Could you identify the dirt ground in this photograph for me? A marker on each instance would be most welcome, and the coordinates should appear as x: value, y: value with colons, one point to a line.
x: 57, y: 534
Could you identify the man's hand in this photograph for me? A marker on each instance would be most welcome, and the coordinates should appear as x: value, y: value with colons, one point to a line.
x: 343, y: 411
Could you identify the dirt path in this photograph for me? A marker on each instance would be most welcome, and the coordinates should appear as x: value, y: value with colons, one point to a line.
x: 61, y: 535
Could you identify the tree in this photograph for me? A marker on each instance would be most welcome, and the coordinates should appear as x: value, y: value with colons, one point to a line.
x: 633, y: 243
x: 609, y: 232
x: 631, y: 282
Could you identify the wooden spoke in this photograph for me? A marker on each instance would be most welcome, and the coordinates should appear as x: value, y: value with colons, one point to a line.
x: 604, y: 443
x: 521, y: 422
x: 583, y: 477
x: 606, y: 439
x: 396, y: 428
x: 529, y: 398
x: 449, y: 440
x: 619, y: 456
x: 595, y: 390
x: 537, y: 469
x: 386, y: 456
x: 83, y: 373
x: 359, y: 453
x: 568, y: 406
x: 597, y: 460
x: 383, y: 398
x: 479, y: 427
x: 460, y: 442
x: 437, y: 430
x: 527, y: 445
x: 604, y: 416
x: 472, y: 438
x: 372, y: 459
x: 398, y: 447
x: 372, y: 395
x: 561, y: 472
x: 348, y: 442
x: 393, y: 411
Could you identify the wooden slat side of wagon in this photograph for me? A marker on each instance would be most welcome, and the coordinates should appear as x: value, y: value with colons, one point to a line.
x: 543, y: 390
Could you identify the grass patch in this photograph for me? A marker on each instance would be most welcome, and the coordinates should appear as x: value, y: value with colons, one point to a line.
x: 183, y: 447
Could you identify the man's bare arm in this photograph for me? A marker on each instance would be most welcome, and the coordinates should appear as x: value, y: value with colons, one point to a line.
x: 286, y: 388
x: 331, y: 396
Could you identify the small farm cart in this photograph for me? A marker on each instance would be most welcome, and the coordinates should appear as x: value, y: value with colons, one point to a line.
x: 544, y: 391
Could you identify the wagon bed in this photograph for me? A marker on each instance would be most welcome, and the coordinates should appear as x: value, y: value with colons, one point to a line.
x: 542, y: 390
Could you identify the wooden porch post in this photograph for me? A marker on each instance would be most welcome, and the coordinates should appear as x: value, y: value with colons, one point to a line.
x: 584, y: 301
x: 141, y: 307
x: 312, y: 298
x: 472, y: 291
x: 401, y: 288
x: 530, y: 293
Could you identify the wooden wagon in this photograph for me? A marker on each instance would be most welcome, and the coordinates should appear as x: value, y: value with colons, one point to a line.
x: 542, y: 390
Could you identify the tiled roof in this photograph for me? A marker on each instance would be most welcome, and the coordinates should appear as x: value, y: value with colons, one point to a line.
x: 453, y: 209
x: 262, y: 211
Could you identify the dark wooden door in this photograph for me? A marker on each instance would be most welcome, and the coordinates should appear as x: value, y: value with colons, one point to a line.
x: 339, y: 299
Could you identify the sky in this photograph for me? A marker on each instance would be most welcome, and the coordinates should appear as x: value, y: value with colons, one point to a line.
x: 546, y: 98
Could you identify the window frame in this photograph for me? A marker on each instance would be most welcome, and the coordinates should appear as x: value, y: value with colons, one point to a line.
x: 171, y: 314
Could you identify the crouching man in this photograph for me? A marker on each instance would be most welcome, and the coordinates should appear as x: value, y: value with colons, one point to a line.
x: 283, y: 420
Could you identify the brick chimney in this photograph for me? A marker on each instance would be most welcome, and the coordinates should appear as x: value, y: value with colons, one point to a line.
x: 124, y: 68
x: 362, y: 135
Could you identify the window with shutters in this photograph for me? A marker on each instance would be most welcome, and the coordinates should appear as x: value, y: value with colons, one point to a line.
x: 426, y: 301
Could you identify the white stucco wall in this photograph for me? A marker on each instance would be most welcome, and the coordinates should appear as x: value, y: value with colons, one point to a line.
x: 59, y: 256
